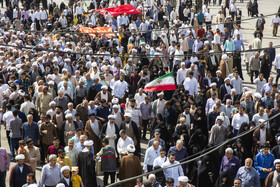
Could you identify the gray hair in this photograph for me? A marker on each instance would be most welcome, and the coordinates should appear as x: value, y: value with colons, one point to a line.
x: 52, y: 156
x: 229, y: 150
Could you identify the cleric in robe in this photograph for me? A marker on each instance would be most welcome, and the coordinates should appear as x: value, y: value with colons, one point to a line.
x: 126, y: 171
x: 86, y: 164
x: 93, y: 132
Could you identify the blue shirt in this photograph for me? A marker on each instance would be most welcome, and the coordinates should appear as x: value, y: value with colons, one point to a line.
x: 238, y: 44
x: 97, y: 87
x: 249, y: 178
x: 179, y: 155
x: 103, y: 113
x: 230, y: 166
x: 200, y: 17
x: 263, y: 161
x: 31, y: 131
x: 138, y: 23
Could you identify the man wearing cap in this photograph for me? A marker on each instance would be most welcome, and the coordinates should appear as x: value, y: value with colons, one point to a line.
x: 110, y: 131
x: 18, y: 172
x: 104, y: 94
x: 125, y: 167
x: 132, y: 130
x: 262, y: 134
x: 248, y: 174
x: 183, y: 182
x: 271, y: 179
x: 93, y: 132
x: 33, y: 153
x: 67, y: 129
x: 218, y: 132
x: 66, y: 180
x: 158, y: 105
x: 264, y: 163
x: 43, y: 100
x: 86, y: 164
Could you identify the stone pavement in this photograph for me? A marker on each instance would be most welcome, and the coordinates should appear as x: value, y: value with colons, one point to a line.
x: 248, y: 27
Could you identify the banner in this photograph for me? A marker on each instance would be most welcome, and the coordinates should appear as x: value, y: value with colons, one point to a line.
x: 97, y: 30
x: 115, y: 11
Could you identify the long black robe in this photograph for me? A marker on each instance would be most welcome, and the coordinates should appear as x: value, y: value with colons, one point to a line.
x: 86, y: 164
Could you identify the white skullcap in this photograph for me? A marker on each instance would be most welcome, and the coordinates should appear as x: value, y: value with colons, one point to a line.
x: 152, y: 176
x: 112, y: 116
x: 68, y: 116
x: 277, y: 161
x: 115, y: 100
x: 20, y: 157
x: 245, y: 88
x: 221, y: 118
x: 35, y: 64
x: 21, y: 92
x: 134, y: 50
x: 164, y: 17
x: 224, y: 56
x: 213, y: 84
x: 13, y: 68
x: 115, y: 106
x: 19, y: 66
x: 130, y: 148
x: 122, y: 71
x: 233, y: 89
x: 159, y: 94
x: 60, y: 185
x: 40, y: 58
x: 94, y: 64
x: 147, y: 47
x: 50, y: 76
x: 88, y: 143
x: 104, y: 87
x: 64, y: 168
x: 211, y: 51
x: 51, y: 82
x: 183, y: 179
x: 227, y: 78
x: 127, y: 115
x: 64, y: 69
x: 183, y: 63
x: 218, y: 71
x: 257, y: 95
x: 52, y: 103
x: 206, y: 42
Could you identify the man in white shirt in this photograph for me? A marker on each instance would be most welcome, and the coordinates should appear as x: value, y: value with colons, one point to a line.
x: 276, y: 64
x: 161, y: 159
x: 232, y: 10
x: 210, y: 103
x: 181, y: 74
x: 236, y: 83
x: 139, y: 97
x: 208, y: 18
x: 261, y: 115
x: 43, y: 15
x: 191, y: 84
x: 173, y: 15
x: 123, y: 142
x: 179, y: 54
x: 79, y: 11
x: 27, y: 105
x: 151, y: 154
x: 120, y: 87
x: 238, y: 119
x: 7, y: 117
x: 120, y: 20
x: 63, y: 21
x: 275, y: 22
x: 238, y: 31
x: 174, y: 172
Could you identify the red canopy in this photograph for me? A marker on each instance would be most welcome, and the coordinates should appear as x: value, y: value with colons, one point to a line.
x: 97, y: 30
x: 115, y: 11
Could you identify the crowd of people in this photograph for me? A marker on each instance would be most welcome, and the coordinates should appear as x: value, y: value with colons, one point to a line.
x: 75, y: 104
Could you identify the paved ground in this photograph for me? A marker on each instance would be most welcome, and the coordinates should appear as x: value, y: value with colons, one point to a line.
x: 265, y: 7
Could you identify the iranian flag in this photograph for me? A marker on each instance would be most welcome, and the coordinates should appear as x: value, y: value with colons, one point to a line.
x: 165, y: 82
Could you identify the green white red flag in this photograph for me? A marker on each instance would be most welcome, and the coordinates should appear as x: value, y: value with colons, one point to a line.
x: 165, y: 82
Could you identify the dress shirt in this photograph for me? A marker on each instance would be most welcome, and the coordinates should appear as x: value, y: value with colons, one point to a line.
x: 217, y: 39
x: 257, y: 117
x: 230, y: 166
x: 236, y: 31
x: 181, y: 75
x: 122, y: 144
x: 249, y: 177
x: 79, y: 10
x: 238, y: 44
x: 150, y: 155
x: 146, y: 110
x: 119, y: 88
x: 263, y: 161
x: 4, y: 159
x: 259, y: 84
x: 276, y: 19
x: 178, y: 55
x: 237, y: 84
x: 139, y: 98
x: 237, y: 120
x: 191, y: 85
x: 161, y: 142
x: 276, y: 61
x: 229, y: 45
x: 266, y: 87
x: 209, y: 104
x: 50, y: 176
x: 174, y: 172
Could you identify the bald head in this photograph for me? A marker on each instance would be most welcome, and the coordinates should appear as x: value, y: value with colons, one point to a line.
x: 155, y: 145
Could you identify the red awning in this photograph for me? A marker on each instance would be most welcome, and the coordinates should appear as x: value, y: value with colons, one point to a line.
x: 96, y: 30
x: 115, y: 11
